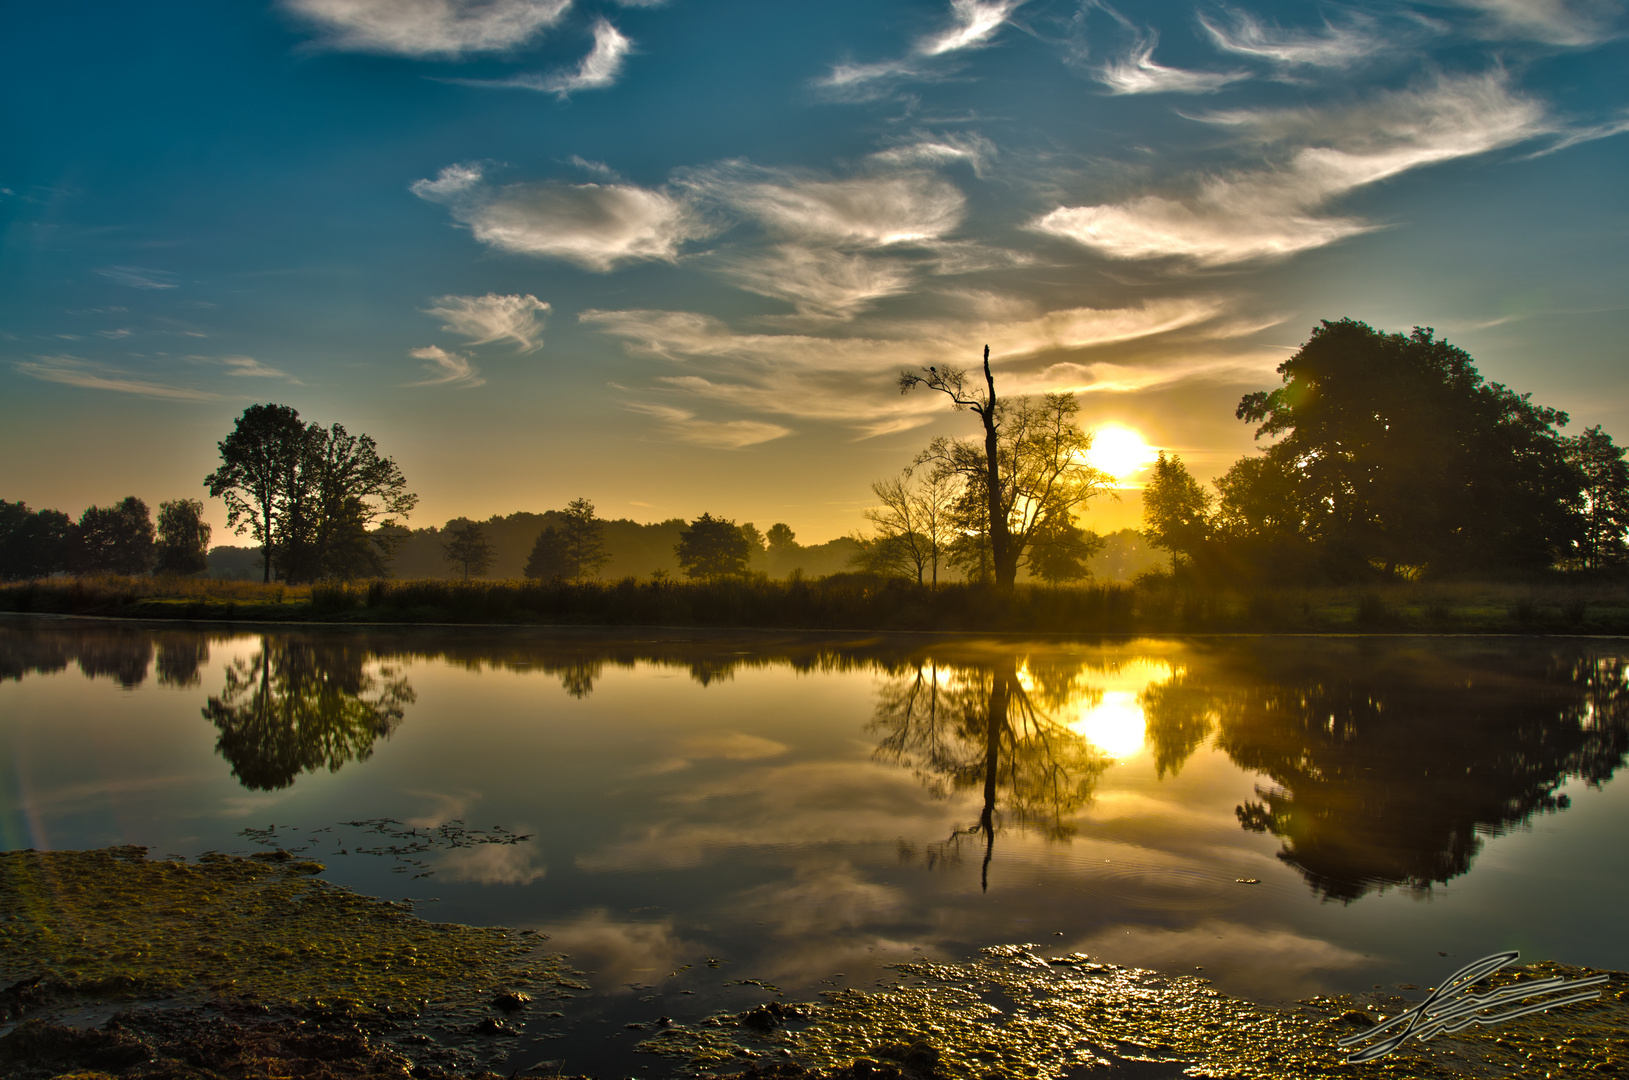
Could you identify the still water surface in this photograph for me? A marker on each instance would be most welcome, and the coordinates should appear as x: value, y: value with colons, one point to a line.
x: 1293, y: 815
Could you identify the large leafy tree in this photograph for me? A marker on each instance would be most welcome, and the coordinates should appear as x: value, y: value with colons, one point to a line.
x: 583, y: 535
x: 712, y: 548
x: 1176, y: 510
x: 319, y: 500
x: 466, y: 546
x: 1395, y: 452
x: 1604, y: 476
x: 114, y: 539
x: 33, y: 544
x: 183, y: 538
x: 550, y: 560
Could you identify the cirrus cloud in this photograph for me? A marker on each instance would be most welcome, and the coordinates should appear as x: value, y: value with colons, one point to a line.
x: 446, y: 368
x: 491, y: 318
x: 428, y: 28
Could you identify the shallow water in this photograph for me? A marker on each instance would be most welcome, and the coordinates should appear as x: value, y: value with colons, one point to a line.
x: 711, y: 813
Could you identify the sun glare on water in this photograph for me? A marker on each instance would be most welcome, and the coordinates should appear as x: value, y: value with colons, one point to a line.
x: 1120, y: 452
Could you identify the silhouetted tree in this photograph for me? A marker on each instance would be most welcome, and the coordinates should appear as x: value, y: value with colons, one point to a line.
x: 183, y: 538
x: 1396, y: 453
x: 1060, y: 551
x: 115, y: 539
x: 1176, y: 510
x: 33, y: 544
x: 1604, y: 477
x: 466, y: 546
x: 550, y: 560
x: 914, y: 521
x: 584, y: 538
x: 780, y: 535
x: 712, y: 548
x: 257, y: 460
x: 1042, y: 479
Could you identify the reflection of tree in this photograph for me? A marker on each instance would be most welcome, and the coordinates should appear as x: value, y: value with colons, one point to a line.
x: 1391, y: 766
x: 301, y: 704
x: 125, y: 655
x: 958, y: 729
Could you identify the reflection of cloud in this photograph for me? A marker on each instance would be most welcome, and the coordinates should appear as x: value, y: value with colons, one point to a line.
x: 490, y: 318
x: 596, y: 226
x: 822, y: 899
x: 428, y: 27
x: 1137, y: 73
x: 620, y: 952
x: 814, y: 802
x: 446, y: 368
x: 1253, y: 961
x: 445, y: 806
x: 728, y: 745
x: 1277, y: 211
x: 491, y: 864
x: 72, y: 371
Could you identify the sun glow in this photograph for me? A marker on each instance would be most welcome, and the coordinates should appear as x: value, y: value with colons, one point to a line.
x: 1115, y: 725
x: 1120, y: 452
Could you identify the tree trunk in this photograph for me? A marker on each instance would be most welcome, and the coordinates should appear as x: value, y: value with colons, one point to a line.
x: 1004, y: 559
x: 995, y: 727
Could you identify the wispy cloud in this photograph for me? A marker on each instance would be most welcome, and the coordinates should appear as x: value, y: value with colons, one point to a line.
x: 1243, y: 34
x: 683, y: 425
x: 72, y: 371
x: 907, y: 207
x: 138, y: 277
x: 1277, y: 211
x: 599, y: 69
x: 1553, y: 22
x: 973, y: 23
x: 1137, y: 73
x: 819, y: 282
x: 428, y: 28
x: 491, y: 318
x: 596, y: 226
x: 249, y: 368
x: 446, y: 368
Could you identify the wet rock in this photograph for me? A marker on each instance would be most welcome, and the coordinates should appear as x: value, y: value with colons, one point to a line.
x: 771, y: 1016
x: 511, y: 1001
x: 490, y: 1026
x: 1356, y: 1018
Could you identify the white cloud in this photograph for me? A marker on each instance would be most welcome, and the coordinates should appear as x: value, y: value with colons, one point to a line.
x: 72, y: 371
x: 870, y: 211
x: 682, y: 424
x: 446, y: 368
x: 249, y: 368
x: 924, y: 149
x: 422, y: 28
x: 818, y: 282
x: 972, y: 24
x: 1553, y: 22
x: 1137, y: 73
x: 138, y: 277
x: 597, y: 70
x: 597, y: 226
x: 1277, y: 211
x: 1335, y: 46
x: 115, y: 335
x: 490, y: 318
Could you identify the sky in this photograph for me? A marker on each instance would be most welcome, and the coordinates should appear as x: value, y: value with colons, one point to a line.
x: 672, y: 256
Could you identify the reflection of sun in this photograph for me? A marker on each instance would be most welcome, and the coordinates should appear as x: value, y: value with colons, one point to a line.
x: 1114, y: 725
x: 1119, y: 451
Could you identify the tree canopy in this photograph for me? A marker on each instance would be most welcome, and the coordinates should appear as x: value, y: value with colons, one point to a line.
x: 712, y: 548
x: 183, y: 538
x: 466, y: 547
x: 114, y: 539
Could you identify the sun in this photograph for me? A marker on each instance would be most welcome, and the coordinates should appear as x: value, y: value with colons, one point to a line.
x: 1120, y: 452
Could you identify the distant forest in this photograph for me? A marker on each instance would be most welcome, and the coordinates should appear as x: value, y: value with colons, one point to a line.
x: 639, y: 550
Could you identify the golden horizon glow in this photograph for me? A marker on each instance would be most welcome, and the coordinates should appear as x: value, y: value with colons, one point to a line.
x: 1120, y: 452
x: 1115, y: 725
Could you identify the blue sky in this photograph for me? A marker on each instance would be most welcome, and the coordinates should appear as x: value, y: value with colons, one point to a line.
x: 672, y: 256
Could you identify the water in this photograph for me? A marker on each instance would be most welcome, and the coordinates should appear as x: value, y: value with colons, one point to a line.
x: 1291, y: 815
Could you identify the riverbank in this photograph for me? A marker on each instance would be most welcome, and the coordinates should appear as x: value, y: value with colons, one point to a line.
x: 234, y: 967
x: 854, y: 602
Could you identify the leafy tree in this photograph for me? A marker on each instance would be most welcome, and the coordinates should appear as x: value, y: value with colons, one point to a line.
x: 183, y: 538
x: 915, y: 521
x: 309, y: 494
x: 584, y: 538
x: 257, y: 460
x: 1061, y: 550
x: 33, y: 544
x: 1176, y: 510
x: 550, y: 560
x: 1604, y: 477
x: 780, y: 536
x: 466, y: 546
x: 1400, y: 454
x: 712, y: 548
x: 115, y: 539
x: 1042, y: 479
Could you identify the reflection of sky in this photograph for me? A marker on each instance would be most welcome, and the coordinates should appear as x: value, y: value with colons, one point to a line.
x: 749, y: 819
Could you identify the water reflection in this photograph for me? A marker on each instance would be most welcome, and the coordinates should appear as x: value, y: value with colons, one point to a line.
x: 1383, y: 763
x: 1391, y: 765
x: 300, y: 704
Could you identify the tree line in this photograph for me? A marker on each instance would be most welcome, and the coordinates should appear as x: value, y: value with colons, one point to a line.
x: 1395, y: 459
x: 117, y: 539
